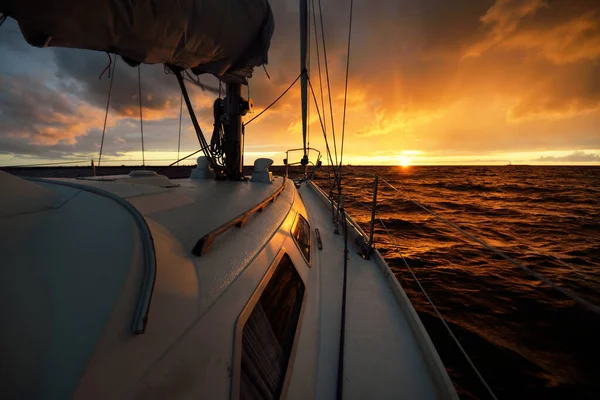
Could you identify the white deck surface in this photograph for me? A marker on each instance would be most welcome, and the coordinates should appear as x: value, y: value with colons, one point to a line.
x: 383, y: 358
x: 187, y: 305
x: 61, y: 270
x: 187, y: 350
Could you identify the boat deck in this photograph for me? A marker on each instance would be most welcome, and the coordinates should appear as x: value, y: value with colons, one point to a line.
x: 385, y: 354
x: 212, y: 202
x: 191, y: 343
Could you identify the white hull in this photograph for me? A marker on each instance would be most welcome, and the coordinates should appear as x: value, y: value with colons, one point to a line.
x: 72, y: 274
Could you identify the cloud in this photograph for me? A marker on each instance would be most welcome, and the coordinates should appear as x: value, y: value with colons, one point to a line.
x: 561, y: 31
x: 501, y: 20
x: 40, y: 115
x: 52, y: 103
x: 460, y: 77
x: 576, y: 156
x: 571, y: 41
x: 37, y: 118
x: 571, y: 91
x: 399, y: 122
x: 78, y: 72
x: 542, y: 54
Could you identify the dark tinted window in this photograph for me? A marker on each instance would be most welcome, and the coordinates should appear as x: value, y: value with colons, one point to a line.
x: 269, y: 333
x: 301, y: 234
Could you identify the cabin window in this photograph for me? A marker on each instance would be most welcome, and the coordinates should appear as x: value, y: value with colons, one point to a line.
x: 301, y: 234
x: 269, y: 332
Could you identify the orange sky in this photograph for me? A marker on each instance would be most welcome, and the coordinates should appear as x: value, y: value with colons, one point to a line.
x: 431, y: 82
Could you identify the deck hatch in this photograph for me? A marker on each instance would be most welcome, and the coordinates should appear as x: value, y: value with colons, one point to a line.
x: 301, y: 235
x: 268, y: 334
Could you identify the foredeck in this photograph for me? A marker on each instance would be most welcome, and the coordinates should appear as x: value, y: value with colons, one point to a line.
x: 87, y: 256
x: 387, y: 352
x: 207, y: 201
x: 90, y: 244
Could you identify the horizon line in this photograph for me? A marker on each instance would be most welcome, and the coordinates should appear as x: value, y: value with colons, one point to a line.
x: 565, y: 164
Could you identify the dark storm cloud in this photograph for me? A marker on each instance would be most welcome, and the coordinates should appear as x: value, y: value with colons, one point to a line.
x: 31, y: 111
x: 52, y: 103
x: 159, y: 90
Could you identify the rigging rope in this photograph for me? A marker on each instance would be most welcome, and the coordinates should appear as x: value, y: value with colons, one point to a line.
x: 328, y: 84
x: 141, y: 118
x: 322, y: 126
x: 340, y: 378
x: 118, y: 160
x: 340, y: 209
x: 44, y: 164
x: 319, y: 65
x: 338, y: 181
x: 107, y: 68
x: 435, y: 309
x: 197, y: 82
x: 346, y: 86
x: 439, y: 315
x: 204, y: 147
x: 546, y: 253
x: 308, y: 74
x: 266, y: 72
x: 277, y: 99
x: 112, y: 77
x: 180, y: 115
x: 181, y: 159
x: 515, y: 239
x: 323, y: 121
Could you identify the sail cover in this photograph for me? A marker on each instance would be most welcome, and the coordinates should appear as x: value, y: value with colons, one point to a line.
x: 214, y: 36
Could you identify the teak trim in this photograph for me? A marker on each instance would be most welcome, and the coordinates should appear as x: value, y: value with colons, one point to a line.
x: 205, y: 243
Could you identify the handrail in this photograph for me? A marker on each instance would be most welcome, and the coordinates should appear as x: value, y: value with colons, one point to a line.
x: 370, y: 249
x: 350, y: 221
x: 315, y: 165
x: 205, y: 243
x: 140, y: 316
x: 373, y: 210
x: 568, y: 293
x: 302, y: 149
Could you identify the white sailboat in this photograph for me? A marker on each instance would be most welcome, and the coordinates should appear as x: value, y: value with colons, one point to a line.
x: 138, y: 286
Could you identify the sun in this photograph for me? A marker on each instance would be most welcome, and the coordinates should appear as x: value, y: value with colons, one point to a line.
x: 404, y: 161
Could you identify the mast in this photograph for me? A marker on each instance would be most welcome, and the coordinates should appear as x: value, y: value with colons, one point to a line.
x: 304, y: 72
x: 233, y: 132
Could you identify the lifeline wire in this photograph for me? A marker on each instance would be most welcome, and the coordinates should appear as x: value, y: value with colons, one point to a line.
x: 141, y: 118
x: 112, y: 77
x: 573, y: 296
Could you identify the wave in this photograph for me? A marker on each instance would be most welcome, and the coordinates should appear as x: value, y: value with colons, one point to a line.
x: 526, y: 339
